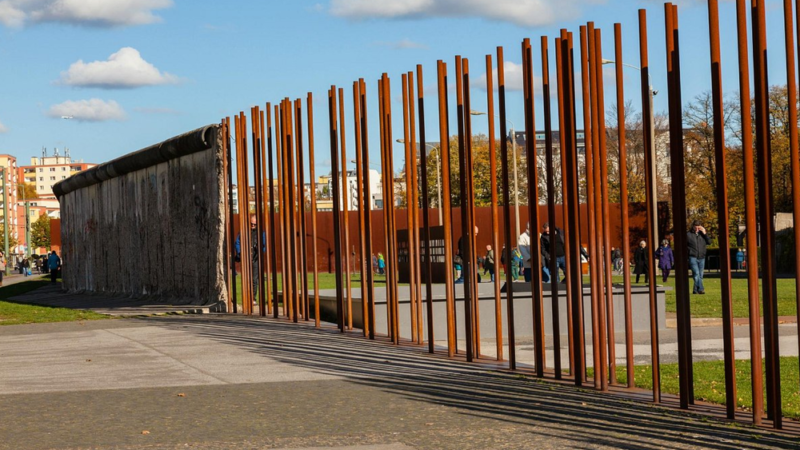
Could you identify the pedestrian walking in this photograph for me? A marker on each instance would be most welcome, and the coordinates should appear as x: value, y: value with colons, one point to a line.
x: 739, y: 259
x: 488, y: 262
x: 666, y: 259
x: 374, y: 263
x: 641, y: 262
x: 463, y: 262
x: 697, y: 243
x: 381, y: 264
x: 553, y: 247
x: 54, y: 264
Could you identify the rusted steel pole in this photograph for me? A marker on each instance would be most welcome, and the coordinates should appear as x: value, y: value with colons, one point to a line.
x: 238, y: 144
x: 391, y: 279
x: 290, y: 180
x: 231, y: 255
x: 533, y: 211
x: 415, y: 208
x: 794, y: 155
x: 273, y: 228
x: 551, y: 208
x: 265, y: 268
x: 244, y: 216
x: 587, y: 43
x: 722, y: 201
x: 647, y: 120
x: 498, y: 252
x: 364, y: 258
x: 410, y: 166
x: 284, y: 238
x: 570, y: 151
x: 766, y: 214
x: 564, y: 210
x: 605, y: 262
x: 369, y: 320
x: 623, y: 201
x: 504, y: 166
x: 426, y: 229
x: 465, y: 247
x: 470, y: 199
x: 268, y: 249
x: 444, y: 153
x: 756, y: 370
x: 387, y: 198
x: 679, y: 208
x: 313, y: 192
x: 334, y: 130
x: 301, y: 185
x: 345, y: 189
x: 255, y: 119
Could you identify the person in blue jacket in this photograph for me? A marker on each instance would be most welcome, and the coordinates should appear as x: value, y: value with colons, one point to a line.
x: 54, y: 264
x: 253, y: 251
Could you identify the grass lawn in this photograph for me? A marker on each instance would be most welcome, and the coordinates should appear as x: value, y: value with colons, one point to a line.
x: 709, y: 382
x: 710, y: 304
x: 13, y: 313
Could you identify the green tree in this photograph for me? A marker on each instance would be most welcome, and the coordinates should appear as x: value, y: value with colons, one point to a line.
x: 40, y: 232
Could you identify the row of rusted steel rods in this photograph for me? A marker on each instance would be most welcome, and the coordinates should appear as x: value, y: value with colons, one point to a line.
x: 291, y: 193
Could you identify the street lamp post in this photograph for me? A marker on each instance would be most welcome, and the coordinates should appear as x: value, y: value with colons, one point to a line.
x: 5, y: 215
x: 516, y: 172
x: 438, y: 176
x: 652, y: 167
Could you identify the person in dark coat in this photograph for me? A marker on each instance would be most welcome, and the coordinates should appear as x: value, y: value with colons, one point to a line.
x: 666, y: 259
x: 640, y: 260
x: 697, y: 241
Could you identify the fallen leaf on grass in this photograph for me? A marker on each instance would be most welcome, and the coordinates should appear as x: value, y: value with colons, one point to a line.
x: 181, y: 395
x: 145, y: 432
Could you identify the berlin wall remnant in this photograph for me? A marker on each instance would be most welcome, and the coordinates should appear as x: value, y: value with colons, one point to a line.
x: 150, y: 223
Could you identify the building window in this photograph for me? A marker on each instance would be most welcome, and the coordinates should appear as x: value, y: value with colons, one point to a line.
x: 52, y: 178
x: 52, y: 169
x: 63, y: 169
x: 41, y: 178
x: 41, y: 170
x: 63, y: 178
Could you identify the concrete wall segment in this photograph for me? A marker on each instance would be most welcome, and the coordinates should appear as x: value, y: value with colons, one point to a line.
x: 150, y: 223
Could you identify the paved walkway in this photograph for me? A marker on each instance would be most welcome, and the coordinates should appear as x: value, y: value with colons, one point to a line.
x: 225, y: 382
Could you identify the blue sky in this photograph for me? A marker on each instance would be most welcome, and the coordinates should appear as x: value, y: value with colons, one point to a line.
x: 131, y: 73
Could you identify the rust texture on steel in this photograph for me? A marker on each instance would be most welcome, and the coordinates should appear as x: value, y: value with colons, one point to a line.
x: 551, y: 208
x: 498, y: 309
x: 465, y: 247
x: 680, y: 222
x: 504, y: 166
x: 722, y: 209
x: 426, y: 230
x: 623, y: 200
x: 269, y: 173
x: 444, y: 143
x: 647, y: 115
x: 765, y: 214
x: 537, y: 303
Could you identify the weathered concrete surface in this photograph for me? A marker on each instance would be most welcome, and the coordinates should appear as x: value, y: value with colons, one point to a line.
x: 271, y: 384
x: 150, y: 223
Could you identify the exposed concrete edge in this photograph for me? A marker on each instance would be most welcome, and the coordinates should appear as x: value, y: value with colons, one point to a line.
x: 220, y: 305
x: 176, y: 147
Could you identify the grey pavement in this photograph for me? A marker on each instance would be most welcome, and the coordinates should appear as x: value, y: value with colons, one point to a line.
x: 233, y: 382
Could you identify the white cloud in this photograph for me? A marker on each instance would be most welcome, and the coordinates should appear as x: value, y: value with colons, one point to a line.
x: 519, y: 12
x: 3, y: 128
x: 93, y: 110
x: 123, y: 70
x: 403, y: 44
x: 99, y: 13
x: 513, y: 78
